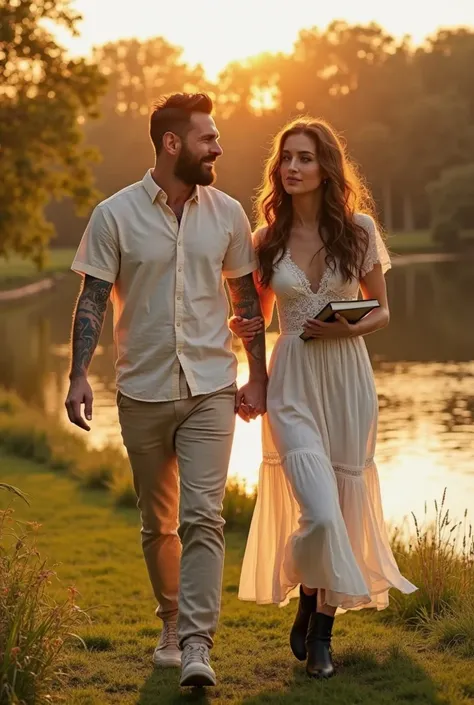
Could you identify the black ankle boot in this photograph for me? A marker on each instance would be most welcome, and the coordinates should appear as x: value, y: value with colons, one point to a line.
x: 318, y: 644
x: 306, y: 607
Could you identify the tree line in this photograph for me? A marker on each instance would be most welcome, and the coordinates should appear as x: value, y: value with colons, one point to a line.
x: 73, y: 131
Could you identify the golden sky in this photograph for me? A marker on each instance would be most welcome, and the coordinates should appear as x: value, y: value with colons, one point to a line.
x: 214, y: 32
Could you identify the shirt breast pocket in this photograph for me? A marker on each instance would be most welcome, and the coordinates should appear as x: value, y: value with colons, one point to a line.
x: 143, y: 252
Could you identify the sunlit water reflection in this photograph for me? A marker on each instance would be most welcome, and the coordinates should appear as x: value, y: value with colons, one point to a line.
x: 423, y: 368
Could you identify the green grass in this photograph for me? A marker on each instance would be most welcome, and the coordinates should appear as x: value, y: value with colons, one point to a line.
x: 411, y: 242
x: 35, y: 630
x: 28, y: 433
x: 17, y: 271
x: 439, y: 559
x: 419, y: 241
x: 96, y: 547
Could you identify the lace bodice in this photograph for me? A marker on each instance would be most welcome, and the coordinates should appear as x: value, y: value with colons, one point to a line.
x: 296, y: 302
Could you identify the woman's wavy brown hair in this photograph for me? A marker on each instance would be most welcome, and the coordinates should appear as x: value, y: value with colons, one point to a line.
x: 344, y: 194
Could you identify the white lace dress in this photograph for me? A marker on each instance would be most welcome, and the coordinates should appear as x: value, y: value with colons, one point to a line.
x: 318, y: 519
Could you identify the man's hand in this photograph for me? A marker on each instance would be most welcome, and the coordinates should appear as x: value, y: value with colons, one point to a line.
x: 251, y: 400
x: 80, y: 393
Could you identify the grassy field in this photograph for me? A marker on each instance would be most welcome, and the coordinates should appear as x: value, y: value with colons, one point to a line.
x: 96, y: 548
x: 411, y: 242
x: 16, y: 271
x: 420, y: 241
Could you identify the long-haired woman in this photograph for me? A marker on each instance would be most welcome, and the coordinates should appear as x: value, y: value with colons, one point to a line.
x: 318, y: 522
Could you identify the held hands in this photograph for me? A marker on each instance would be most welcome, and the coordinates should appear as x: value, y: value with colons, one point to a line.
x: 79, y: 393
x: 246, y: 328
x: 251, y: 400
x: 339, y: 329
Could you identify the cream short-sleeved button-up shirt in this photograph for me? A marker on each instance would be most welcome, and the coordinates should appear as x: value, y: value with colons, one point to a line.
x: 169, y: 301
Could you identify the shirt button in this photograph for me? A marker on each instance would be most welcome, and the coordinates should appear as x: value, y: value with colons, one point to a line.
x: 178, y: 298
x: 178, y: 324
x: 180, y: 269
x: 179, y: 243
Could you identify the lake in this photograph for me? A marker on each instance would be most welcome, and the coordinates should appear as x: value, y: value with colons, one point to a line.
x: 423, y: 364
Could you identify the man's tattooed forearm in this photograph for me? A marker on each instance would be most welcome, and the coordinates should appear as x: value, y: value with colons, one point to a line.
x: 246, y: 304
x: 88, y: 320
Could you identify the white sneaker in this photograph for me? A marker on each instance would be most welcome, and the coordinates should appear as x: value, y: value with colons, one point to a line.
x: 168, y: 654
x: 196, y: 669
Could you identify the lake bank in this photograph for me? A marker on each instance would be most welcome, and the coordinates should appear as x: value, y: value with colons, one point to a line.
x: 21, y: 278
x: 17, y: 274
x: 422, y: 365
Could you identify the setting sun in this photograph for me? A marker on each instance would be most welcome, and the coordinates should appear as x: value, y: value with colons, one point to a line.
x: 214, y: 32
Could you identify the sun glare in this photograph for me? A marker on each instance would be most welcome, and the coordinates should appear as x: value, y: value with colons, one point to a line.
x: 264, y: 99
x: 215, y: 32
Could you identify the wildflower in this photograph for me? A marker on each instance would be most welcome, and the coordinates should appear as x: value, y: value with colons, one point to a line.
x: 33, y: 525
x: 73, y: 592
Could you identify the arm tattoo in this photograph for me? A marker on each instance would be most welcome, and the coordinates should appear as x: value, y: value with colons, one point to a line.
x: 88, y: 320
x: 246, y: 303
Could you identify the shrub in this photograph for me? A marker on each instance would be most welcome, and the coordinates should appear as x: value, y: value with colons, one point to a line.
x: 238, y: 507
x: 440, y: 561
x: 34, y: 628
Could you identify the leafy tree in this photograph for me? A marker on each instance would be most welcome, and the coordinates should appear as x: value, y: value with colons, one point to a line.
x: 446, y: 63
x: 452, y: 204
x: 406, y: 112
x: 137, y: 73
x: 371, y: 146
x: 43, y: 96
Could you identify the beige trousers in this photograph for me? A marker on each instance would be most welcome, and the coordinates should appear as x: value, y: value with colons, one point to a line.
x: 179, y: 452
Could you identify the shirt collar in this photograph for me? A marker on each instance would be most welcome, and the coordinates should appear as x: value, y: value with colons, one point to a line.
x: 155, y: 191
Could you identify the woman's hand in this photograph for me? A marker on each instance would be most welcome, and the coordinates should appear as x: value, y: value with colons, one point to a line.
x: 339, y: 329
x: 246, y: 328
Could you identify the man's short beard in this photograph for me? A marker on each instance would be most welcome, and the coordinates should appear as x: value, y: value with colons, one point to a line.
x: 191, y: 171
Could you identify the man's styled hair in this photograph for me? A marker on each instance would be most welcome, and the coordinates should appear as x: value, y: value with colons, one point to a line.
x: 172, y: 113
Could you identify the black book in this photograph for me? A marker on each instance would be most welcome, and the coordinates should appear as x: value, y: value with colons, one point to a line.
x: 352, y: 311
